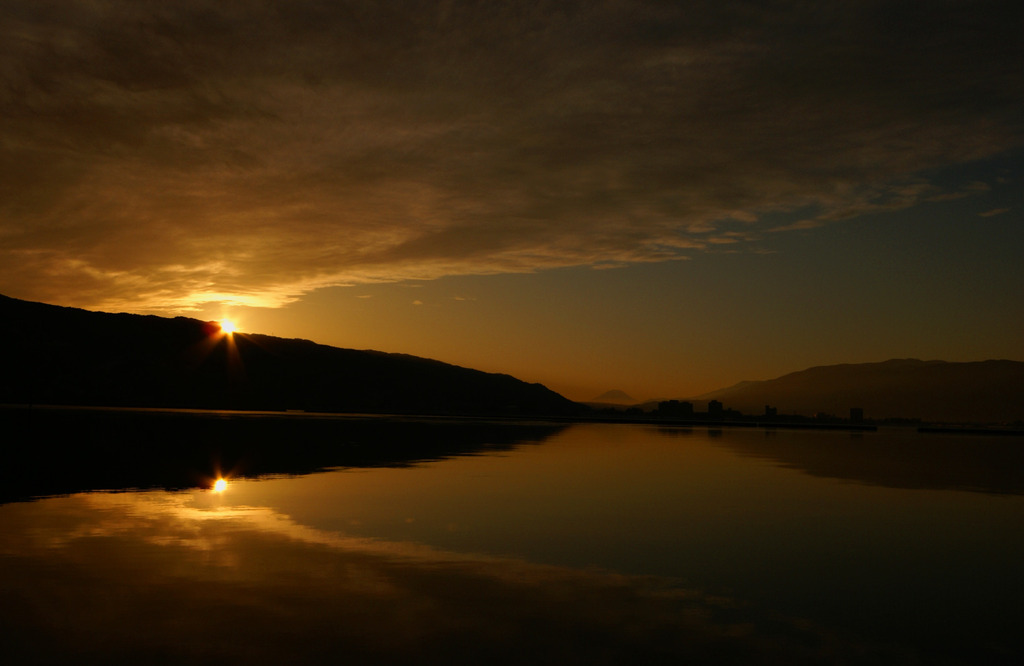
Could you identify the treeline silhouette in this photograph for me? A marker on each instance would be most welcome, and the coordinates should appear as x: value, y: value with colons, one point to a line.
x: 684, y: 412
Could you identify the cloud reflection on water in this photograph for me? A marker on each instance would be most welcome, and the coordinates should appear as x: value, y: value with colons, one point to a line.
x: 187, y: 578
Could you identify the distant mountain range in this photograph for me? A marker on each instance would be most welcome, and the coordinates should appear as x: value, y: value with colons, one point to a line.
x: 939, y: 391
x: 59, y: 355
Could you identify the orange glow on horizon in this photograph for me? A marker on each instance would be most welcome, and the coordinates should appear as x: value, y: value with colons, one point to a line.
x: 227, y: 327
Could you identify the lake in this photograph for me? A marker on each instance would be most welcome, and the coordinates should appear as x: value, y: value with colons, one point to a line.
x: 386, y: 540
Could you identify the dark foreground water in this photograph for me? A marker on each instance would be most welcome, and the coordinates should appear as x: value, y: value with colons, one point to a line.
x: 425, y: 541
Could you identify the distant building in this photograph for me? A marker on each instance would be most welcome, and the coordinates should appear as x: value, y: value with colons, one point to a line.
x: 715, y: 408
x: 771, y: 411
x: 856, y: 414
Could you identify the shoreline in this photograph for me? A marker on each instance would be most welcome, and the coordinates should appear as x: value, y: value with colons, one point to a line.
x: 769, y: 424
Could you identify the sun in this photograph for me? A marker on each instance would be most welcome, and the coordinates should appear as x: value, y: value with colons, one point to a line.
x: 227, y: 326
x: 220, y: 485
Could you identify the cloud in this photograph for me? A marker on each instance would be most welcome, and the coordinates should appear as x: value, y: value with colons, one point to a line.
x: 970, y: 189
x: 799, y: 225
x: 158, y: 155
x: 994, y: 212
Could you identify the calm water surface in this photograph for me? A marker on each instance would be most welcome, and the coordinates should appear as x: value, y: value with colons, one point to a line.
x: 579, y: 544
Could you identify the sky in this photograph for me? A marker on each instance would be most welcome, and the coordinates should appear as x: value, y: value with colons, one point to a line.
x: 664, y: 198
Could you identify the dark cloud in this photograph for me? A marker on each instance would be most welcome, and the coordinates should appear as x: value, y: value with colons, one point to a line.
x: 156, y: 155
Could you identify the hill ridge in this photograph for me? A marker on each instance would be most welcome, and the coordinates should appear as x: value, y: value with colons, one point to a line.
x: 62, y: 355
x: 989, y: 391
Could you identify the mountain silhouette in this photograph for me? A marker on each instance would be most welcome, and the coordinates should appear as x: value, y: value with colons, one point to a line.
x: 614, y: 396
x: 67, y: 356
x: 976, y: 392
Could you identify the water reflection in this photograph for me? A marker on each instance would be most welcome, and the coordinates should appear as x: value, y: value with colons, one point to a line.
x: 608, y: 544
x: 62, y: 451
x: 894, y: 458
x: 159, y: 576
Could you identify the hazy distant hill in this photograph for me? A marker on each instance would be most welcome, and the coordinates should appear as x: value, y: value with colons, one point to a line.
x: 58, y: 355
x: 982, y: 392
x: 615, y: 396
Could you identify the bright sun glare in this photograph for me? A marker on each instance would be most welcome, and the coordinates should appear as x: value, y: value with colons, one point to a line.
x: 227, y: 326
x: 220, y: 485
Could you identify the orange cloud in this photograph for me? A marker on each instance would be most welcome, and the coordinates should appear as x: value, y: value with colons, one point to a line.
x: 165, y: 157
